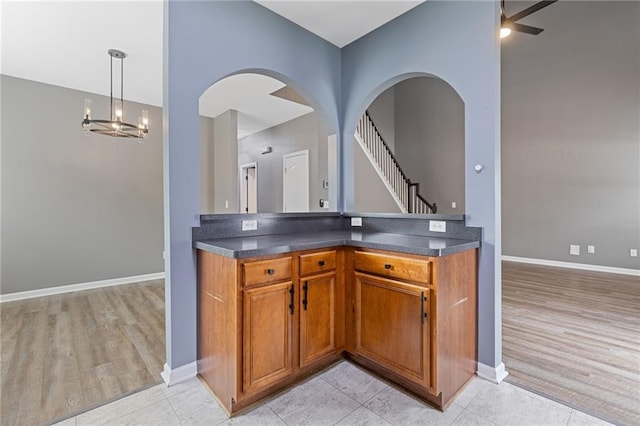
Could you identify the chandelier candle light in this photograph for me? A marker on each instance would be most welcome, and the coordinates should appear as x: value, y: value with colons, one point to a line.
x: 116, y: 127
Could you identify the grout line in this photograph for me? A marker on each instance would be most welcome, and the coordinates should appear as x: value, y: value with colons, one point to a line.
x: 172, y: 408
x: 350, y: 413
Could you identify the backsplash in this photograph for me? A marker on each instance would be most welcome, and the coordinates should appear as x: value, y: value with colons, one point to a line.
x: 230, y: 225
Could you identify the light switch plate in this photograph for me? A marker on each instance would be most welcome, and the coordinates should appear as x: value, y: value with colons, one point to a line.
x: 249, y: 225
x: 633, y: 252
x: 437, y: 226
x: 574, y: 250
x: 356, y: 221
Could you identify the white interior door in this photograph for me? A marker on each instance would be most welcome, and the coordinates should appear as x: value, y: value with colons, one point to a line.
x: 295, y: 178
x: 249, y: 188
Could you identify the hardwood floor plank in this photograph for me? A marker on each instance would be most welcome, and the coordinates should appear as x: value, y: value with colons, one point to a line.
x: 64, y: 354
x: 574, y: 336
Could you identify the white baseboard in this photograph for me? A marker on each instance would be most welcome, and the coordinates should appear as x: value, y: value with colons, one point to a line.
x: 492, y: 374
x: 78, y: 287
x: 571, y: 265
x: 172, y: 376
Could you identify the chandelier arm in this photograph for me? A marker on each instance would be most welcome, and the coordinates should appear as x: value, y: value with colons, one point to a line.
x: 122, y: 86
x: 111, y: 87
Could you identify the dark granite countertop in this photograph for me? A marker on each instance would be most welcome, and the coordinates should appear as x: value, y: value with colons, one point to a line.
x: 244, y: 247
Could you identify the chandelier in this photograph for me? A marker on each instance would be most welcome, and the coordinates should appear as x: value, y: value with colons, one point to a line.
x: 116, y: 126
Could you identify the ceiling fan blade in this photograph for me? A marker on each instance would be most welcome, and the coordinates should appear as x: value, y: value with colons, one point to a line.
x: 521, y: 28
x: 531, y: 9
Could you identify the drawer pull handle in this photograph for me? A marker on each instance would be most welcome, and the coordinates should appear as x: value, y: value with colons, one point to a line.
x: 423, y: 314
x: 271, y: 271
x: 387, y: 266
x: 321, y: 262
x: 305, y: 287
x: 292, y: 292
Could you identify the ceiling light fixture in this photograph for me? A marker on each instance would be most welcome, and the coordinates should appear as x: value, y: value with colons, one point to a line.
x: 116, y: 127
x: 505, y: 28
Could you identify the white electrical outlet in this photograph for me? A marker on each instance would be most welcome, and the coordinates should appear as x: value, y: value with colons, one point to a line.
x: 226, y: 204
x: 356, y: 221
x: 574, y: 250
x: 249, y: 225
x: 633, y: 252
x: 437, y: 226
x: 591, y: 249
x: 454, y: 204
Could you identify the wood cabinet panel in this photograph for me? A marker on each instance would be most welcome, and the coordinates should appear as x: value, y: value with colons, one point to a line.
x: 402, y: 268
x: 316, y: 263
x: 317, y: 318
x: 267, y: 335
x: 267, y: 271
x: 392, y: 326
x: 250, y: 344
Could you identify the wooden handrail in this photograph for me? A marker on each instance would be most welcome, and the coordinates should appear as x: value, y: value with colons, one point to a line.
x: 404, y: 175
x: 410, y: 202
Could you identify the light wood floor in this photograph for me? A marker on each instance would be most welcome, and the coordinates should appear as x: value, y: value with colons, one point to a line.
x: 574, y: 336
x: 67, y: 353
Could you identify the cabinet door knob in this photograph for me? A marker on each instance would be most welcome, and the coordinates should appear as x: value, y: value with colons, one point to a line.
x: 271, y: 271
x: 321, y: 262
x: 387, y: 266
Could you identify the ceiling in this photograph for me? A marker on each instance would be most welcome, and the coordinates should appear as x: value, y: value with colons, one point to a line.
x: 340, y: 21
x: 250, y: 95
x: 65, y: 43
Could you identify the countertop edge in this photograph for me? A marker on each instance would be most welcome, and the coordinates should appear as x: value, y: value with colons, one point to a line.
x: 287, y: 248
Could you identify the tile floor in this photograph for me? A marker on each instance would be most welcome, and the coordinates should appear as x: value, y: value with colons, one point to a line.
x: 342, y: 395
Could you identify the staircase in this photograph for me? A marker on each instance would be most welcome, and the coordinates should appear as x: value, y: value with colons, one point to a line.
x: 405, y: 193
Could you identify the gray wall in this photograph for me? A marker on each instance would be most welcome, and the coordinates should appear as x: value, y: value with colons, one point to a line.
x: 456, y: 41
x: 301, y: 133
x: 225, y: 157
x: 571, y: 135
x: 204, y: 42
x: 429, y: 127
x: 371, y: 195
x: 75, y: 207
x: 382, y: 112
x: 207, y: 163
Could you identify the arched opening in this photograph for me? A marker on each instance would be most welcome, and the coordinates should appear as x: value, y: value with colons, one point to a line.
x: 264, y: 148
x: 409, y: 149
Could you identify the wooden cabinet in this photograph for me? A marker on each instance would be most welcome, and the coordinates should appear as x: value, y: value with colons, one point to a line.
x: 392, y: 326
x: 265, y: 323
x: 268, y: 314
x: 320, y: 320
x: 261, y: 326
x: 414, y: 319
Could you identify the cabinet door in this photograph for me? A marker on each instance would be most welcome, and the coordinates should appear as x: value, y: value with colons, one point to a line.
x: 317, y: 318
x: 267, y: 335
x: 392, y: 326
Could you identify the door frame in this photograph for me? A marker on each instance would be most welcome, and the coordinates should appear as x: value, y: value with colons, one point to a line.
x: 243, y: 169
x: 284, y: 161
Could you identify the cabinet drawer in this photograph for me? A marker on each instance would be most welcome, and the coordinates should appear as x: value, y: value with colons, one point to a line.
x: 403, y: 268
x: 267, y: 271
x: 317, y: 262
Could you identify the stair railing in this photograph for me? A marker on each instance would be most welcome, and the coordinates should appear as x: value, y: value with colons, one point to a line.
x: 406, y: 192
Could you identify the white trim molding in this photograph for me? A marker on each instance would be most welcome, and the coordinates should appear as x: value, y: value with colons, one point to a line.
x: 384, y: 180
x: 492, y: 374
x: 571, y: 265
x: 78, y: 287
x: 172, y: 376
